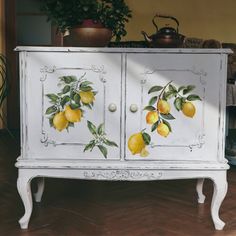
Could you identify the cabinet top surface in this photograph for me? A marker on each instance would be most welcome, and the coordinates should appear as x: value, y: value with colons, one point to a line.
x: 125, y: 50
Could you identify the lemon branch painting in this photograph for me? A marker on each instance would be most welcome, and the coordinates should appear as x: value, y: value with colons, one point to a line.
x: 67, y: 105
x: 100, y: 139
x: 159, y: 113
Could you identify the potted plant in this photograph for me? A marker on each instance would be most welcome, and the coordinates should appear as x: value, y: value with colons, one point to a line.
x: 89, y: 22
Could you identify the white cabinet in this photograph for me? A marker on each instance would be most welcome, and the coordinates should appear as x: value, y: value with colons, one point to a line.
x: 93, y: 114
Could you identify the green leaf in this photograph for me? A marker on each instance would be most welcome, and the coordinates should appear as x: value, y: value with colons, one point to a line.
x: 188, y: 89
x: 85, y: 83
x: 87, y: 88
x: 90, y: 146
x: 193, y: 97
x: 155, y: 89
x: 178, y: 104
x: 52, y: 96
x: 110, y: 143
x: 72, y: 94
x: 146, y: 138
x: 103, y: 150
x: 100, y: 129
x: 170, y: 94
x: 51, y: 110
x: 152, y: 101
x: 167, y: 116
x: 168, y: 124
x: 68, y: 79
x: 65, y: 100
x: 149, y: 108
x: 181, y: 88
x: 77, y: 98
x: 74, y: 106
x: 66, y: 89
x: 154, y: 126
x: 172, y: 88
x: 91, y: 127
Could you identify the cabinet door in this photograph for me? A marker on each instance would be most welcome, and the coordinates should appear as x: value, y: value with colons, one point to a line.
x: 180, y: 79
x: 67, y: 96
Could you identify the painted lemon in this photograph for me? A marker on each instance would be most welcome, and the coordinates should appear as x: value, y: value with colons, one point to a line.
x: 163, y: 130
x: 163, y: 106
x: 73, y: 115
x: 188, y: 109
x: 152, y: 117
x: 136, y: 143
x: 60, y: 122
x: 86, y: 97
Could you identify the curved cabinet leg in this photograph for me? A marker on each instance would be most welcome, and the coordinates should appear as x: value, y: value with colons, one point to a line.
x: 38, y: 195
x: 220, y: 189
x: 199, y: 189
x: 24, y: 189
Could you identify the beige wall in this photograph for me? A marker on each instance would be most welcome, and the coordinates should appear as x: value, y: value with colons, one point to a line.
x: 198, y: 18
x: 2, y: 38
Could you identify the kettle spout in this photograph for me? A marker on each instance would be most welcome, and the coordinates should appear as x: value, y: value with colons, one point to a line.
x: 146, y: 37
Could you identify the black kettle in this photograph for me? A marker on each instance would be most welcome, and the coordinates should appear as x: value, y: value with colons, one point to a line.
x: 166, y: 37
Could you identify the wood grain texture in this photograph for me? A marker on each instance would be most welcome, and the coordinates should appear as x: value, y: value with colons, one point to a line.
x: 91, y: 208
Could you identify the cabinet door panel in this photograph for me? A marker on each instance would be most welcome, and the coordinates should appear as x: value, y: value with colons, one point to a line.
x: 56, y: 80
x: 192, y: 138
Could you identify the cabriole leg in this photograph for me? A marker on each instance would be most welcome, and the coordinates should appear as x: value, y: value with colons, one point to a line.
x: 220, y: 189
x: 24, y: 189
x: 40, y: 186
x: 199, y: 189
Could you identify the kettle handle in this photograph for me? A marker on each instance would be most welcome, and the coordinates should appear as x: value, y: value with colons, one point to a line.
x: 165, y: 16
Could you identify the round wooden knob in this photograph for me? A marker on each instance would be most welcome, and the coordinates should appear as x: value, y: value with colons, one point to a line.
x: 133, y: 108
x: 112, y: 107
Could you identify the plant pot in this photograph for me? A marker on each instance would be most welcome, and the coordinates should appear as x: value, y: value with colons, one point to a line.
x: 88, y: 34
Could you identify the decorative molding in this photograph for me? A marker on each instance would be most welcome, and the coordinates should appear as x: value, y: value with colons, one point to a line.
x: 122, y: 174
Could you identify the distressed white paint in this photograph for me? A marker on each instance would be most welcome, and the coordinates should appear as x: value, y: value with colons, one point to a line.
x: 121, y: 71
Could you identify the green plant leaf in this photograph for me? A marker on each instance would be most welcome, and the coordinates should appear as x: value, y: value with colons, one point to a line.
x: 86, y: 88
x: 90, y: 146
x: 66, y: 89
x: 51, y: 110
x: 188, y: 89
x: 178, y: 104
x: 100, y: 129
x: 154, y: 126
x: 152, y: 101
x: 74, y: 106
x: 103, y: 150
x: 168, y: 124
x: 149, y: 108
x: 68, y: 79
x: 172, y: 88
x: 167, y: 116
x: 65, y: 100
x: 92, y: 128
x: 85, y: 83
x: 155, y: 89
x: 193, y: 97
x: 110, y: 143
x: 52, y: 96
x: 76, y: 98
x: 169, y: 94
x: 146, y: 138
